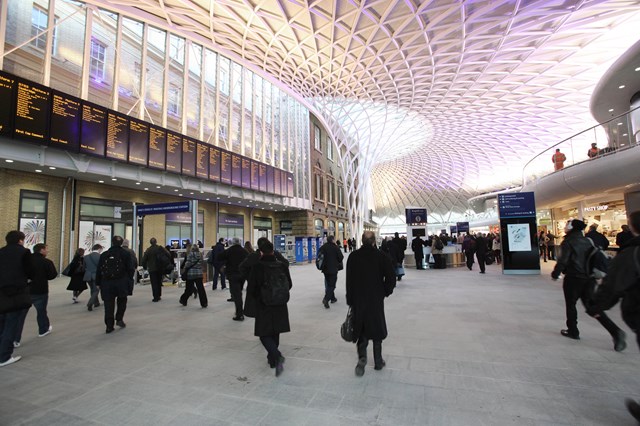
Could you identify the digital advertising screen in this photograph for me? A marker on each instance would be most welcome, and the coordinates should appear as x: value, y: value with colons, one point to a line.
x: 93, y: 129
x: 236, y: 170
x: 214, y: 164
x: 202, y: 160
x: 64, y: 131
x: 189, y: 157
x: 31, y: 121
x: 246, y: 173
x: 117, y: 136
x: 138, y: 142
x: 157, y: 147
x: 7, y: 93
x: 174, y: 152
x: 225, y: 167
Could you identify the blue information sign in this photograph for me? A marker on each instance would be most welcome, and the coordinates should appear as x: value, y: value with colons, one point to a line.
x: 416, y: 217
x: 521, y: 204
x: 279, y: 242
x: 462, y: 227
x: 147, y: 209
x: 453, y: 229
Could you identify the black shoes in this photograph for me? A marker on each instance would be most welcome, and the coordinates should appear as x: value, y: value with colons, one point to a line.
x: 334, y: 300
x: 238, y: 318
x: 157, y: 300
x: 230, y: 299
x: 380, y: 365
x: 566, y: 333
x: 183, y: 303
x: 279, y: 366
x: 619, y: 343
x: 360, y: 367
x: 634, y: 408
x: 110, y: 329
x: 121, y: 324
x: 90, y: 308
x: 326, y: 304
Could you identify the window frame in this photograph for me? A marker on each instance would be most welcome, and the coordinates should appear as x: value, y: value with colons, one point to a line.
x: 97, y: 65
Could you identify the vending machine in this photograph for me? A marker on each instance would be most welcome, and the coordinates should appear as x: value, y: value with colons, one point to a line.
x: 290, y: 248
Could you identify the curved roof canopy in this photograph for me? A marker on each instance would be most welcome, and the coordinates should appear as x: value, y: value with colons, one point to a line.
x: 439, y: 100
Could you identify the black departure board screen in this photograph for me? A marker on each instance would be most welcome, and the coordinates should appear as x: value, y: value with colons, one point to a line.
x: 7, y: 93
x: 270, y: 180
x: 65, y: 122
x: 262, y: 173
x: 157, y: 147
x: 255, y: 180
x: 289, y: 185
x: 93, y: 129
x: 117, y: 136
x: 188, y: 157
x: 225, y: 167
x: 138, y: 142
x: 277, y: 173
x: 236, y: 170
x: 246, y: 173
x: 202, y: 160
x: 174, y: 152
x: 32, y: 111
x: 214, y: 164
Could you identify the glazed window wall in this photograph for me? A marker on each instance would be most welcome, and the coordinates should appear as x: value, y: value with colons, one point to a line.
x: 162, y: 77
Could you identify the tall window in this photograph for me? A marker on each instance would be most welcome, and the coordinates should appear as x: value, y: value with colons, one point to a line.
x: 98, y: 59
x: 39, y: 18
x: 316, y: 138
x: 173, y: 107
x: 340, y: 195
x: 319, y: 187
x: 331, y: 191
x: 329, y: 150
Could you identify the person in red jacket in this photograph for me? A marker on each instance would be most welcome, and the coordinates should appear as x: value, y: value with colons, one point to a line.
x: 593, y: 151
x: 558, y: 160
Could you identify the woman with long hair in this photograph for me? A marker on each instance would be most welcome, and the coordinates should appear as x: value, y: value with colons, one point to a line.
x: 248, y: 247
x: 193, y: 268
x: 77, y: 283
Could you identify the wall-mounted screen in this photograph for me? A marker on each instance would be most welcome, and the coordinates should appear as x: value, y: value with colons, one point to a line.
x: 117, y: 136
x: 225, y: 167
x: 174, y: 152
x: 214, y: 164
x: 255, y: 176
x: 7, y: 93
x: 270, y: 180
x: 246, y: 173
x: 157, y: 147
x: 236, y: 170
x: 189, y: 157
x: 202, y: 160
x: 138, y: 142
x: 93, y: 129
x: 277, y: 174
x: 32, y: 112
x: 64, y: 131
x: 262, y: 173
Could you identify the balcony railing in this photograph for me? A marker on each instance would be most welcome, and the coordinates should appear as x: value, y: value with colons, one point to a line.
x: 612, y: 136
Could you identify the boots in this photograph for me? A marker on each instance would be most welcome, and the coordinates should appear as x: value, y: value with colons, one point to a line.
x: 377, y: 355
x: 362, y: 356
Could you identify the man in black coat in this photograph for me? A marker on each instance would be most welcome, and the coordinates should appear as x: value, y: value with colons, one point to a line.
x: 231, y: 258
x: 213, y: 260
x: 14, y: 272
x: 115, y: 289
x: 332, y: 264
x: 597, y: 238
x: 370, y: 278
x: 481, y: 251
x: 623, y: 236
x: 154, y: 260
x: 418, y: 252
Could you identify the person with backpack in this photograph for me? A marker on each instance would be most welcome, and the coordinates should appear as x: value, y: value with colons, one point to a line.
x: 332, y: 257
x: 268, y: 289
x: 113, y: 277
x: 578, y: 283
x: 217, y: 265
x: 157, y: 261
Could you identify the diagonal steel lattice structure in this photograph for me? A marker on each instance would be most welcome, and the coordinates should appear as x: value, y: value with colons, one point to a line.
x: 431, y: 101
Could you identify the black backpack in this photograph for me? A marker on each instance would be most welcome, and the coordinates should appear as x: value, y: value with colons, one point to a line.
x: 439, y: 245
x: 112, y: 267
x: 165, y: 264
x: 274, y: 290
x: 320, y: 260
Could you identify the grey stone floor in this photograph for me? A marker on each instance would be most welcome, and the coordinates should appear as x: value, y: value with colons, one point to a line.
x: 463, y: 349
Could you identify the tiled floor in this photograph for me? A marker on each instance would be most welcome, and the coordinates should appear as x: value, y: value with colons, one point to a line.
x: 463, y: 349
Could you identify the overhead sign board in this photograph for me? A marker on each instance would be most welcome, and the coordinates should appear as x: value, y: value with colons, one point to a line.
x: 521, y: 204
x: 416, y: 217
x: 462, y: 227
x: 178, y: 207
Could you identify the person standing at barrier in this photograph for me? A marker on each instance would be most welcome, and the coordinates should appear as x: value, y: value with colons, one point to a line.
x: 558, y: 160
x: 231, y: 259
x: 593, y: 151
x: 330, y: 266
x: 417, y: 245
x: 155, y: 260
x: 469, y: 248
x: 218, y: 270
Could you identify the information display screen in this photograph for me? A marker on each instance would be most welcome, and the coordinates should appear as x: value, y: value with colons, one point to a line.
x: 214, y: 164
x: 289, y: 184
x: 65, y: 122
x: 262, y: 173
x: 32, y: 111
x: 93, y: 129
x: 255, y: 179
x: 277, y: 174
x: 246, y: 173
x: 7, y: 93
x: 189, y: 157
x: 157, y: 147
x: 174, y: 152
x: 270, y: 180
x: 225, y: 167
x: 202, y: 160
x: 138, y: 142
x: 236, y: 170
x: 117, y: 136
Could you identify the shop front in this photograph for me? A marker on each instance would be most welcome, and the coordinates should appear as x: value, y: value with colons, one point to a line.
x: 608, y: 215
x: 262, y: 227
x: 178, y: 229
x: 101, y: 219
x: 230, y: 225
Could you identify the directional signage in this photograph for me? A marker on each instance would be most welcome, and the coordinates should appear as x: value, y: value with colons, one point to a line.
x: 462, y: 227
x: 147, y: 209
x: 416, y: 217
x: 521, y: 204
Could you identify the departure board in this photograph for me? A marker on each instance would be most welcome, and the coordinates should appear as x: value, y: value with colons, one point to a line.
x: 236, y: 170
x: 270, y: 180
x: 202, y: 160
x: 255, y: 180
x: 32, y: 111
x: 277, y: 173
x: 7, y: 93
x: 246, y: 173
x: 262, y: 173
x: 189, y: 157
x: 214, y: 164
x: 157, y: 147
x: 93, y: 129
x: 225, y: 167
x: 174, y: 152
x: 289, y: 184
x: 65, y: 122
x: 117, y: 136
x: 138, y: 142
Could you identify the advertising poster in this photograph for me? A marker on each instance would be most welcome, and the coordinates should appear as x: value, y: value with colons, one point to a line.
x: 518, y: 236
x: 34, y: 231
x: 85, y: 235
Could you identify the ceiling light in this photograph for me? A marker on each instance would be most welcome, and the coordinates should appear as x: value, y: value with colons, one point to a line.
x: 625, y: 134
x: 100, y: 181
x: 146, y: 189
x: 114, y: 179
x: 638, y: 69
x: 158, y: 187
x: 611, y: 110
x: 180, y: 195
x: 619, y: 124
x: 207, y: 199
x: 175, y: 190
x: 51, y: 168
x: 9, y: 161
x: 38, y: 171
x: 191, y: 193
x: 621, y: 87
x: 137, y: 183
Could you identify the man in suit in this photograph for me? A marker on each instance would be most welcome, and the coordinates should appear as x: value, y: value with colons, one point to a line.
x: 114, y: 277
x: 332, y: 264
x: 231, y: 259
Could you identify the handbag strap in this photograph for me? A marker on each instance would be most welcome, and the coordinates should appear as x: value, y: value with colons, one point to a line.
x: 192, y: 265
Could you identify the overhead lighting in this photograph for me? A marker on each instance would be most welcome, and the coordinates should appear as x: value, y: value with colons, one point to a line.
x: 38, y: 171
x: 191, y: 193
x: 146, y: 189
x: 100, y: 181
x: 207, y: 199
x: 9, y: 161
x: 158, y: 187
x: 638, y: 69
x: 619, y: 124
x: 137, y: 183
x: 51, y: 168
x: 621, y: 87
x: 114, y: 179
x: 180, y: 195
x: 611, y: 110
x: 175, y: 190
x: 625, y: 134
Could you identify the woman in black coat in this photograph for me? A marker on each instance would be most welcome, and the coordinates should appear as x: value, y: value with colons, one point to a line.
x: 77, y: 283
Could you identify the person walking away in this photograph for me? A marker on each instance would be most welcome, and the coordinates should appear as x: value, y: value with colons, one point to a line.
x: 193, y: 266
x: 42, y: 270
x: 417, y: 245
x: 437, y: 245
x: 15, y: 269
x: 77, y: 283
x: 231, y: 259
x: 497, y: 248
x: 344, y: 245
x: 558, y: 160
x: 469, y: 248
x: 370, y: 278
x: 90, y: 268
x: 350, y: 245
x: 481, y: 251
x: 623, y: 236
x: 551, y: 245
x: 217, y: 265
x: 593, y: 151
x: 331, y: 265
x: 113, y: 277
x: 134, y: 259
x: 542, y: 245
x: 268, y: 287
x: 156, y: 260
x: 577, y: 284
x: 597, y: 238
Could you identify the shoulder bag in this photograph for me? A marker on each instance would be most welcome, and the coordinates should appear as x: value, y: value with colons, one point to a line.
x: 346, y: 329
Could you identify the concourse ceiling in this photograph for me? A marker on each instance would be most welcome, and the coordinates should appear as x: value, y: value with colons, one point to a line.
x: 440, y: 100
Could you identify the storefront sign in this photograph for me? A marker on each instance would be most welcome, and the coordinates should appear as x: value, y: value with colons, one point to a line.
x: 286, y: 225
x: 520, y: 204
x: 183, y: 217
x: 230, y: 219
x: 596, y: 208
x: 147, y: 209
x: 416, y: 217
x: 261, y: 222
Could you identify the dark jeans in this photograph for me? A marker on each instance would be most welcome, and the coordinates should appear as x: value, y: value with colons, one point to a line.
x: 496, y: 254
x: 480, y: 257
x: 543, y: 252
x: 582, y: 288
x: 156, y: 284
x: 552, y: 252
x: 362, y: 344
x: 110, y: 303
x: 8, y: 328
x: 419, y: 260
x: 95, y: 291
x: 235, y: 287
x: 191, y: 287
x: 469, y: 255
x: 271, y: 344
x: 40, y: 302
x: 217, y: 271
x: 329, y: 286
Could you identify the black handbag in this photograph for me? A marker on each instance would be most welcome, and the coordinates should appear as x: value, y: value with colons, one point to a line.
x: 346, y: 329
x: 67, y: 272
x: 14, y: 299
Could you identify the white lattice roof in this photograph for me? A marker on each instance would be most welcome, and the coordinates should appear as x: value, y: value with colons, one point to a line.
x: 440, y: 99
